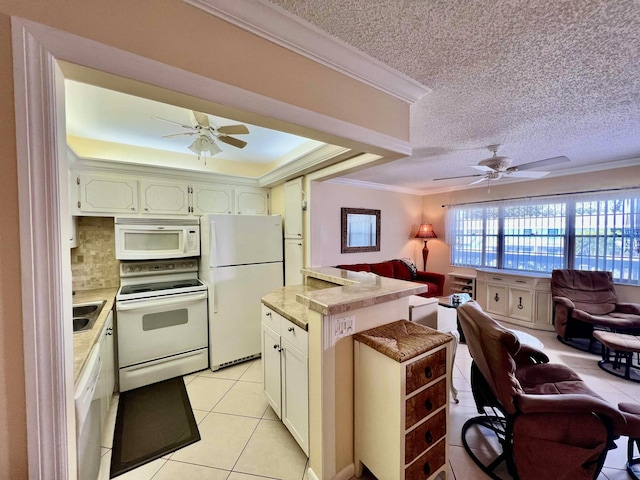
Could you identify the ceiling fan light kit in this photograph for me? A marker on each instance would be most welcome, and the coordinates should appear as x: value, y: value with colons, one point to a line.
x: 205, y: 144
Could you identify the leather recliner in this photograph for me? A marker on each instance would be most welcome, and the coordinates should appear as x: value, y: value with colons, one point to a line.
x: 549, y: 423
x: 583, y: 300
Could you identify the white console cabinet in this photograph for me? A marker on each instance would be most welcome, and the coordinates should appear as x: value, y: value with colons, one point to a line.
x: 516, y: 297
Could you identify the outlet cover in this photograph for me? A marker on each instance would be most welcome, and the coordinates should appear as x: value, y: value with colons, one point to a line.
x: 344, y: 327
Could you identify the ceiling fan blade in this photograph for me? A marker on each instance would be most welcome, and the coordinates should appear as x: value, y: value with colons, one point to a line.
x: 480, y: 180
x: 541, y: 163
x: 232, y: 141
x: 198, y: 118
x: 483, y: 168
x: 239, y: 129
x: 178, y: 134
x: 461, y: 176
x: 527, y: 174
x: 175, y: 123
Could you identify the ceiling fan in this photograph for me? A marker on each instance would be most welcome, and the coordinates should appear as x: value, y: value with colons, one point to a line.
x: 496, y: 167
x: 207, y: 133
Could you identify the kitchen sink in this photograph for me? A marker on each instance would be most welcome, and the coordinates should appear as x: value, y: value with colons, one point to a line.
x: 85, y: 315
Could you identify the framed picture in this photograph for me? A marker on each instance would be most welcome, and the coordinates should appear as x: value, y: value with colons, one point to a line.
x: 360, y: 230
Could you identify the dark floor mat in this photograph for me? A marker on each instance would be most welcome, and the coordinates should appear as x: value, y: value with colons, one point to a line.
x: 152, y: 421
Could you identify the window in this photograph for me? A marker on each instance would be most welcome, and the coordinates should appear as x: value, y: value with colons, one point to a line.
x: 595, y: 232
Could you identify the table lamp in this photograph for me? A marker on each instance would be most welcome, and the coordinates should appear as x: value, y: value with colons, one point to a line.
x: 425, y: 232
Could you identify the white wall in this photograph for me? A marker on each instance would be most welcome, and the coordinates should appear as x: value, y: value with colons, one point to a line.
x: 400, y: 215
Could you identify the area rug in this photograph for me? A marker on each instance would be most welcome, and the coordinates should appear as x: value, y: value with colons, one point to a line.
x: 151, y: 422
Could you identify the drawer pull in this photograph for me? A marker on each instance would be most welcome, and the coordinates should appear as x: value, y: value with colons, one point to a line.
x: 428, y: 404
x: 496, y: 278
x: 290, y: 329
x: 428, y: 437
x: 268, y: 314
x: 521, y: 281
x: 426, y: 468
x: 427, y: 372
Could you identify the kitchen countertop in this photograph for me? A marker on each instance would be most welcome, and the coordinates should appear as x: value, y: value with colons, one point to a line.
x: 355, y: 290
x: 284, y: 301
x: 84, y: 341
x: 345, y: 291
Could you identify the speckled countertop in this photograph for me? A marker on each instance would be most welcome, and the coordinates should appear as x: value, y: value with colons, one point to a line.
x: 350, y: 290
x: 83, y: 342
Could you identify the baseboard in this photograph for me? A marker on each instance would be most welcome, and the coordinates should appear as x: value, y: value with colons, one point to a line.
x: 345, y: 474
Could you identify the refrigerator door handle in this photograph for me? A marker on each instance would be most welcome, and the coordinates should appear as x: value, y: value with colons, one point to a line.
x: 213, y: 294
x: 212, y: 245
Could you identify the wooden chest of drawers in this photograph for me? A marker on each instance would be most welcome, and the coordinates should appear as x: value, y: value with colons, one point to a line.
x: 401, y: 401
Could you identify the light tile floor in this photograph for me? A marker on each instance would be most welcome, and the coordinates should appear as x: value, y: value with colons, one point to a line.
x: 242, y: 439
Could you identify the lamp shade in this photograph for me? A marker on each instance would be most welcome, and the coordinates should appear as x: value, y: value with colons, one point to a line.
x: 204, y: 144
x: 426, y: 231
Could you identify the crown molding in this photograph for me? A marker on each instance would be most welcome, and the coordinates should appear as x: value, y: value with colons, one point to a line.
x: 277, y: 25
x: 314, y: 160
x: 375, y: 186
x: 101, y: 165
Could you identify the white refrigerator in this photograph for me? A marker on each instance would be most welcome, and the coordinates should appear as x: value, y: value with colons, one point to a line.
x: 241, y: 261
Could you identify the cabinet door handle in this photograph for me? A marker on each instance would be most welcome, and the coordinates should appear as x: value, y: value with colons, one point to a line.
x: 290, y: 329
x: 427, y: 404
x: 426, y: 468
x: 497, y: 298
x: 277, y: 347
x: 268, y: 314
x: 428, y: 437
x: 427, y: 372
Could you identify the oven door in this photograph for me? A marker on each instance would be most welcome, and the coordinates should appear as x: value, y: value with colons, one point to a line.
x: 153, y: 328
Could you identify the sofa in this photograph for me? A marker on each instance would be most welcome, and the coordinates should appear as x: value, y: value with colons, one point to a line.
x: 402, y: 270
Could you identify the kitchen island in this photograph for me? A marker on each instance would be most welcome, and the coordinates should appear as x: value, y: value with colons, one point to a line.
x: 332, y: 305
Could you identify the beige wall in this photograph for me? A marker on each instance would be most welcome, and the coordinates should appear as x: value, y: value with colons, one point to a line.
x: 433, y: 212
x: 167, y: 32
x: 400, y: 215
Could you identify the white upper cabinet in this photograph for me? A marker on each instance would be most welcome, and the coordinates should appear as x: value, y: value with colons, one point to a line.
x: 212, y: 199
x: 293, y: 208
x: 151, y: 193
x: 170, y: 198
x: 106, y: 194
x: 251, y: 201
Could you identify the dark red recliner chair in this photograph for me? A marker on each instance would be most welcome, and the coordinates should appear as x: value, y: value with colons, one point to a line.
x: 548, y: 422
x: 584, y: 300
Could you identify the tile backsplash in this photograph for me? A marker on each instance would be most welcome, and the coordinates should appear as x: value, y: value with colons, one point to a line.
x: 93, y: 261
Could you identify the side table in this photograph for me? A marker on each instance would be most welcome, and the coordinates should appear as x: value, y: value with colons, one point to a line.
x: 400, y: 397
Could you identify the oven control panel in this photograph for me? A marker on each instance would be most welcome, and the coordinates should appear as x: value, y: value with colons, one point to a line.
x: 133, y: 269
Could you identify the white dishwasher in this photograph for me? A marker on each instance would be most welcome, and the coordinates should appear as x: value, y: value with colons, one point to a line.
x: 88, y: 418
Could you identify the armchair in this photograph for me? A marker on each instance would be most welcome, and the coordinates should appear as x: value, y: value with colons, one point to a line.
x: 548, y: 422
x: 583, y: 300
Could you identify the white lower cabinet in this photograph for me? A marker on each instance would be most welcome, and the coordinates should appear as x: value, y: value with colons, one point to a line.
x: 285, y: 369
x: 107, y: 378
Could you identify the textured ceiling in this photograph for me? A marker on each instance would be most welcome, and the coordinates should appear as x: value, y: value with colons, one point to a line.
x: 542, y: 78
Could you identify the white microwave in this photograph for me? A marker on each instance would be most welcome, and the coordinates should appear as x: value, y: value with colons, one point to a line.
x: 139, y: 238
